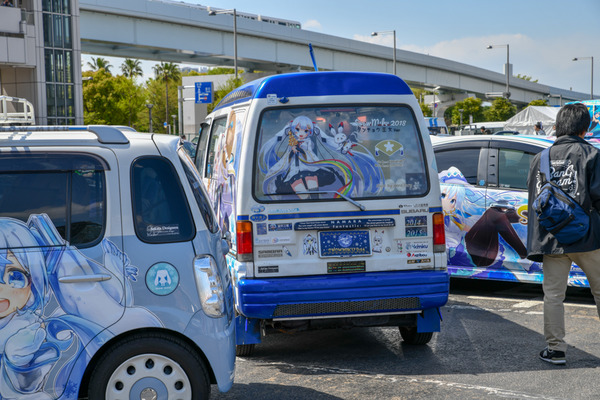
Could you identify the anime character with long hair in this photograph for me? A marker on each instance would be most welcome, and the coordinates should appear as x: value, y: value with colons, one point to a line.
x: 302, y: 158
x: 42, y: 317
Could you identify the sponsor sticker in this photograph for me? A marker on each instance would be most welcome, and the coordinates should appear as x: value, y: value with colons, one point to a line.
x: 345, y: 267
x: 280, y: 227
x: 268, y: 269
x: 416, y: 231
x: 162, y: 279
x: 261, y: 228
x: 258, y: 217
x: 418, y: 261
x: 420, y: 220
x: 162, y: 230
x: 417, y: 246
x: 270, y: 253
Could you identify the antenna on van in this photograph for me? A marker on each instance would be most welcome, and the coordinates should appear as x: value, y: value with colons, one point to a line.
x: 312, y: 56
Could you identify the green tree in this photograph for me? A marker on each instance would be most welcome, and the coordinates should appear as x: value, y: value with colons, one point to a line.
x: 471, y: 106
x: 526, y: 78
x: 131, y: 68
x: 108, y: 99
x: 167, y: 72
x: 538, y: 102
x: 419, y: 94
x: 221, y: 71
x: 99, y: 63
x: 501, y: 110
x: 223, y: 90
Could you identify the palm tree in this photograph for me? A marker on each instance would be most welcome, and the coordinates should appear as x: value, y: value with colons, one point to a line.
x: 131, y: 68
x: 166, y: 72
x: 98, y: 63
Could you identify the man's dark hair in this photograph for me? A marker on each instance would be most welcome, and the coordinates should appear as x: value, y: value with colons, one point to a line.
x: 572, y: 119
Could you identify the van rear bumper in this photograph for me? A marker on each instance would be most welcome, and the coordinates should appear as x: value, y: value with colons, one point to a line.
x: 343, y: 295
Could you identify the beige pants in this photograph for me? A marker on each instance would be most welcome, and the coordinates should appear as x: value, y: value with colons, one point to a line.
x: 556, y: 274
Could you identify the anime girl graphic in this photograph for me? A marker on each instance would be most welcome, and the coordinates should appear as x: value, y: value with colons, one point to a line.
x: 480, y: 228
x: 302, y: 158
x: 42, y: 318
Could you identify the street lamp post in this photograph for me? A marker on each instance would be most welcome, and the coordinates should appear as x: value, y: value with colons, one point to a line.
x: 394, y: 57
x: 507, y: 93
x: 235, y: 57
x: 592, y: 75
x: 461, y: 112
x: 174, y: 124
x: 150, y: 115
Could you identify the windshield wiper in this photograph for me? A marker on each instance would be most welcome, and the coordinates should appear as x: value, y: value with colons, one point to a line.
x: 347, y: 198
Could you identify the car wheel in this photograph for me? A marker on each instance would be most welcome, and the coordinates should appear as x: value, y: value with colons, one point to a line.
x: 411, y: 336
x: 150, y: 366
x: 244, y: 350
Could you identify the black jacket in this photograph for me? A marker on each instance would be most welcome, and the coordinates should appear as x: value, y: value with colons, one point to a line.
x: 575, y: 166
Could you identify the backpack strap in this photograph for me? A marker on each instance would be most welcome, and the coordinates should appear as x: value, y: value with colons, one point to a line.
x: 545, y: 164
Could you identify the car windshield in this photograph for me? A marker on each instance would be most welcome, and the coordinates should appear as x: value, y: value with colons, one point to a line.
x: 316, y: 153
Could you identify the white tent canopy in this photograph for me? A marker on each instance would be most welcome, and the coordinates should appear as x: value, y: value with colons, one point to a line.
x: 526, y: 119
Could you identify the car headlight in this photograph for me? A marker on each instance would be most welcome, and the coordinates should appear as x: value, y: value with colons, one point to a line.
x: 210, y: 287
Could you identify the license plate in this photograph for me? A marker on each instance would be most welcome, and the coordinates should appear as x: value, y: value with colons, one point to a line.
x: 344, y: 243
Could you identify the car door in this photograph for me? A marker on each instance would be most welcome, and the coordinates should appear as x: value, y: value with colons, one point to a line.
x: 463, y: 174
x: 505, y: 217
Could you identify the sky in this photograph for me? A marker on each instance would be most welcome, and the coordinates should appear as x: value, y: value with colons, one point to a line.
x: 544, y: 35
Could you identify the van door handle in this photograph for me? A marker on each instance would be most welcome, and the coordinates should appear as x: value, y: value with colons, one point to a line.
x: 84, y: 278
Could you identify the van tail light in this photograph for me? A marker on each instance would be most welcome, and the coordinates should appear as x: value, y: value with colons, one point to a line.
x: 439, y: 237
x: 244, y: 241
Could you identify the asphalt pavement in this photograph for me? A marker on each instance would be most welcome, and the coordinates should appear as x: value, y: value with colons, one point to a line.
x: 488, y: 349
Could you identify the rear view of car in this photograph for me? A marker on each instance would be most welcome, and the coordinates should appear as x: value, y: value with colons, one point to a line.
x: 326, y: 184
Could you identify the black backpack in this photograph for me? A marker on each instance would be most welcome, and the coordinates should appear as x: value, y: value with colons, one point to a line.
x: 557, y: 212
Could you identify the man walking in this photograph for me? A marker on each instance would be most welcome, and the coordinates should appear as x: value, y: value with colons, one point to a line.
x: 575, y: 166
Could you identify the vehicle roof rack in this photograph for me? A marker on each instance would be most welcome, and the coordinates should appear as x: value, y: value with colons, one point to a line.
x: 25, y: 116
x: 106, y: 134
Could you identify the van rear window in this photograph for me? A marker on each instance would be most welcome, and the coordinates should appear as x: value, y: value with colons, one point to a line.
x: 320, y: 152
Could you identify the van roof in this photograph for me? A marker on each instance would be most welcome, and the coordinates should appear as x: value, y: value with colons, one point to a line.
x: 318, y: 84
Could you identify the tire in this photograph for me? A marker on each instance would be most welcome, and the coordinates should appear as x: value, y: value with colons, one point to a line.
x: 244, y: 350
x: 411, y: 336
x: 155, y: 363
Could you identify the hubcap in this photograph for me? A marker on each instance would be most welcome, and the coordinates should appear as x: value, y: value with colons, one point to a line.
x: 149, y: 377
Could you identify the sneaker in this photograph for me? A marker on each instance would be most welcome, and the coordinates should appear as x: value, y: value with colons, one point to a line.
x: 553, y: 356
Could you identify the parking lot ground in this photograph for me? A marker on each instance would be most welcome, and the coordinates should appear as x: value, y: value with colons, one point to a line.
x: 488, y: 348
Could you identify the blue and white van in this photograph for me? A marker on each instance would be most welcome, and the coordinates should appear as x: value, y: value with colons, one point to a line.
x: 326, y: 186
x: 113, y: 281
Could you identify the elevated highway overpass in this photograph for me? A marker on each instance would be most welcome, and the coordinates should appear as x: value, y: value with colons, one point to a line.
x: 182, y: 33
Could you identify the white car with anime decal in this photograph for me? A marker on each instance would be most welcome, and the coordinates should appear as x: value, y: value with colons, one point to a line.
x: 483, y: 182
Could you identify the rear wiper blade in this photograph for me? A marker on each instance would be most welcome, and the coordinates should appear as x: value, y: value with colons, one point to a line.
x: 347, y: 198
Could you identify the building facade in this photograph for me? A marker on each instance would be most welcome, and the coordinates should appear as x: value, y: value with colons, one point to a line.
x: 40, y: 58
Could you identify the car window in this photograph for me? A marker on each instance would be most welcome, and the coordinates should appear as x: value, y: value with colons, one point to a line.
x: 313, y: 153
x: 193, y: 178
x: 513, y: 168
x: 201, y: 148
x: 218, y: 129
x: 160, y: 209
x: 465, y: 160
x: 68, y: 187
